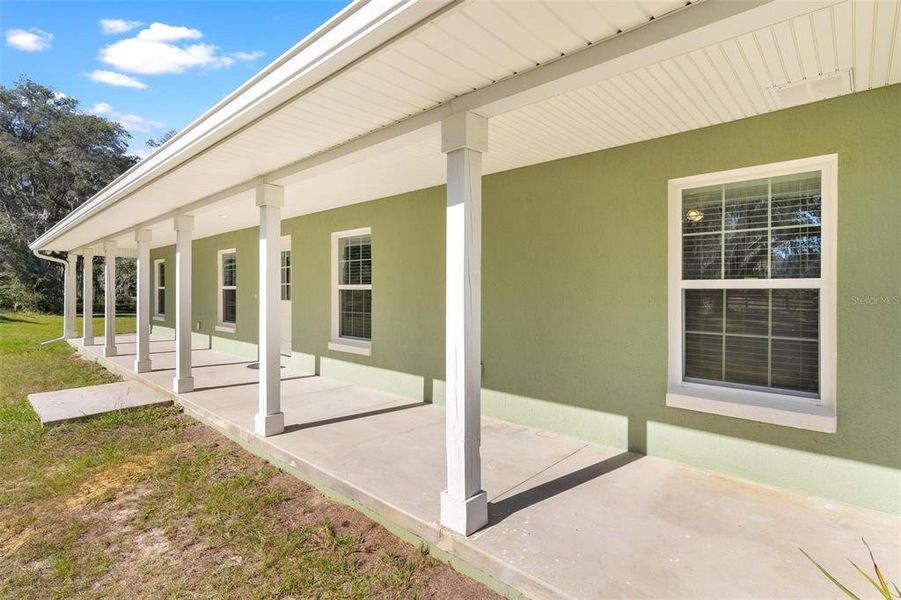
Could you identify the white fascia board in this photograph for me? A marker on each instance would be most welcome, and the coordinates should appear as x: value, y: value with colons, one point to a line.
x: 351, y: 35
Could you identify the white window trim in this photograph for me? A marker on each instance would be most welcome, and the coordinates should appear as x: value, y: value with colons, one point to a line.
x: 157, y: 315
x: 220, y: 325
x: 817, y: 414
x: 338, y: 343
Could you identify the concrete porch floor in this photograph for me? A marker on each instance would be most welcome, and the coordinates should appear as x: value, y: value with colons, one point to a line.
x: 567, y: 518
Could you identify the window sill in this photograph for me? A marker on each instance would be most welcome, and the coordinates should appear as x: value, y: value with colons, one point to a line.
x: 159, y: 317
x: 351, y: 346
x: 226, y: 328
x: 777, y: 409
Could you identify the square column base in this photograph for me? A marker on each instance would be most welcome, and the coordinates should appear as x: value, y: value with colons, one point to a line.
x: 142, y: 366
x: 181, y: 385
x: 109, y: 351
x: 464, y: 516
x: 87, y: 341
x: 266, y: 425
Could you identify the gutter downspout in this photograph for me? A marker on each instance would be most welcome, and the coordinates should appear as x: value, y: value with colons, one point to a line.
x: 65, y: 276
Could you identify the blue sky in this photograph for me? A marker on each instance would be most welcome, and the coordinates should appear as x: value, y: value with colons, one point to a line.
x: 153, y: 66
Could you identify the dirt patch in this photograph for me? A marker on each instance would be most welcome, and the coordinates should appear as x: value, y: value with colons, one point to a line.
x: 199, y: 516
x: 9, y: 545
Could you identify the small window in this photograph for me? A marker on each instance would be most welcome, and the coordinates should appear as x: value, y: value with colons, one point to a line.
x: 751, y: 283
x: 228, y: 290
x: 159, y: 308
x: 286, y: 275
x: 352, y: 291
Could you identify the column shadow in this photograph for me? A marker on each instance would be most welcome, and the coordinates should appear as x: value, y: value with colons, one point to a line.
x: 501, y: 509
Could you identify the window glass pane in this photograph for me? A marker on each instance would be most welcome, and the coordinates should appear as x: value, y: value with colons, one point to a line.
x: 796, y: 252
x: 702, y: 256
x: 704, y: 311
x: 797, y: 199
x: 160, y: 301
x: 747, y: 360
x: 746, y: 255
x: 704, y: 356
x: 229, y: 306
x: 229, y: 269
x: 753, y: 229
x: 747, y: 204
x: 769, y: 339
x: 356, y: 260
x: 796, y: 313
x: 796, y: 365
x: 161, y: 275
x: 356, y: 314
x: 748, y: 312
x: 702, y: 209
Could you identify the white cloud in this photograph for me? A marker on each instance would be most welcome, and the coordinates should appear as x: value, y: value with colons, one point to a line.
x: 160, y: 32
x: 131, y: 122
x: 247, y: 56
x: 113, y: 26
x: 117, y: 79
x: 156, y: 51
x: 33, y: 40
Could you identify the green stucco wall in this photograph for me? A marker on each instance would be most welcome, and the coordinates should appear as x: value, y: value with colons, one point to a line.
x: 574, y: 307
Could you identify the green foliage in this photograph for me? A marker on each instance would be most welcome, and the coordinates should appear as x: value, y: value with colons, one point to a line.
x: 159, y: 141
x: 53, y: 158
x: 877, y: 580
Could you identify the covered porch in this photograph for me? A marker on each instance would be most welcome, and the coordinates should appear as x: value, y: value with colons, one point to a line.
x: 566, y: 518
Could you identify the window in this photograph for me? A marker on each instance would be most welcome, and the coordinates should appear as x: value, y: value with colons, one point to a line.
x: 159, y: 308
x: 752, y: 286
x: 228, y: 290
x: 286, y: 275
x: 352, y: 291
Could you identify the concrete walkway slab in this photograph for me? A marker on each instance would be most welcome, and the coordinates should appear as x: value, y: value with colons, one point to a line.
x: 568, y: 519
x: 79, y: 403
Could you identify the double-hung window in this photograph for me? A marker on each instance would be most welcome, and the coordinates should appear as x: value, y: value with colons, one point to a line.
x: 752, y: 293
x: 228, y: 290
x: 285, y: 271
x: 352, y: 291
x: 159, y: 287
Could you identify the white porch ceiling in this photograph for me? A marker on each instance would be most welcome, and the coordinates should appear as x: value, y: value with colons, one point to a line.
x: 478, y: 43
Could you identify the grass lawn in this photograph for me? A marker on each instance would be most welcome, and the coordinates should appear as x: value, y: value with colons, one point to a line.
x: 151, y: 503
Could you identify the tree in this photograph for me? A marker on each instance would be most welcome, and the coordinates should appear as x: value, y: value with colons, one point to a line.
x: 53, y: 158
x: 159, y: 141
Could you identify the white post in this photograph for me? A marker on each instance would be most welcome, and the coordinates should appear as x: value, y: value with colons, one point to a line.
x: 142, y: 357
x: 270, y: 419
x: 464, y: 504
x: 184, y: 381
x: 87, y: 297
x: 69, y: 296
x: 109, y: 295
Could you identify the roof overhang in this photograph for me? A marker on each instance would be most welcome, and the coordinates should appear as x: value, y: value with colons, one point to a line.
x: 352, y: 112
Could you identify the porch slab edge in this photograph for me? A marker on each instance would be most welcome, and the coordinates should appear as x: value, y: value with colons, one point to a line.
x: 444, y: 545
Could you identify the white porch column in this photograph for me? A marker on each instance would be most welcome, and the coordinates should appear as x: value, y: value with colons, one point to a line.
x: 69, y: 296
x: 109, y: 295
x: 142, y: 358
x: 87, y: 297
x: 464, y: 504
x: 270, y: 419
x: 184, y: 381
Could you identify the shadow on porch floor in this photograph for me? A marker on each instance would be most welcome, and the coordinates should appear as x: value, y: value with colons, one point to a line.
x: 567, y: 518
